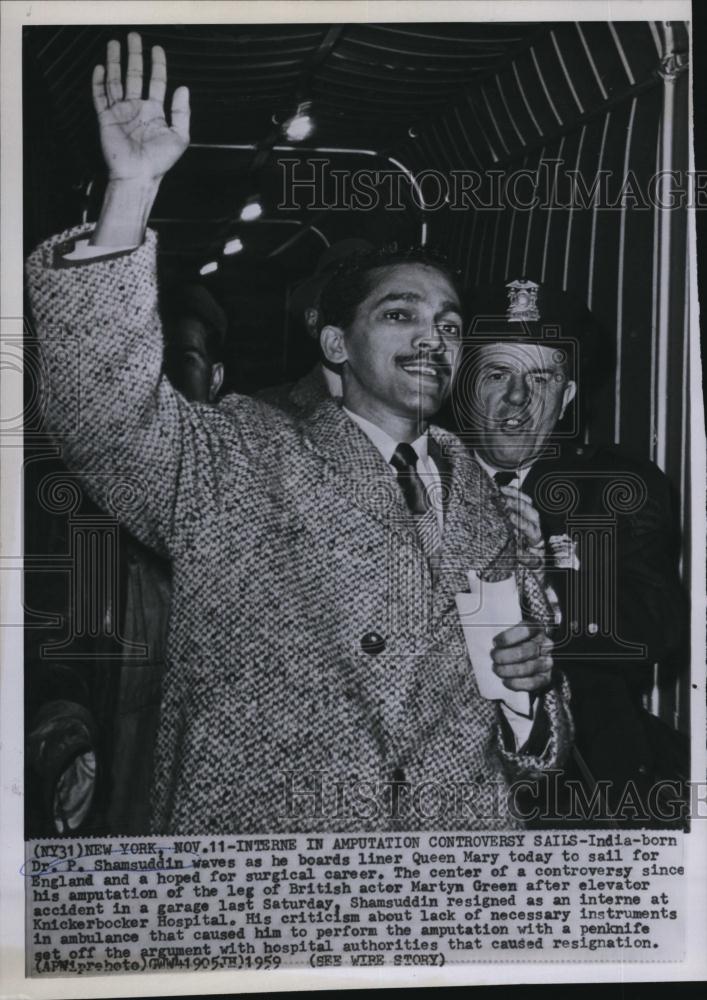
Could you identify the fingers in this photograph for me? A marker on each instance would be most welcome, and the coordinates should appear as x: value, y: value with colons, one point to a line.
x: 528, y: 531
x: 100, y: 101
x: 112, y: 78
x: 114, y: 82
x: 158, y: 76
x: 521, y: 653
x: 523, y: 658
x: 180, y: 112
x: 524, y: 514
x: 536, y: 682
x: 516, y: 634
x: 530, y: 558
x: 133, y: 73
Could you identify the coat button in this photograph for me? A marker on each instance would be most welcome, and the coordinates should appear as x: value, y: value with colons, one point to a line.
x: 372, y: 643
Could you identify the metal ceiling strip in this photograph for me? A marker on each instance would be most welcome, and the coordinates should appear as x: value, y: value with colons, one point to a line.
x: 590, y: 59
x: 444, y: 122
x: 541, y: 78
x: 656, y: 38
x: 511, y: 119
x: 592, y: 242
x: 470, y: 241
x: 622, y: 54
x: 481, y: 248
x: 470, y: 103
x: 568, y: 78
x: 654, y: 308
x: 549, y: 210
x: 570, y: 214
x: 531, y: 212
x: 394, y: 29
x: 494, y: 243
x: 521, y: 91
x: 352, y: 43
x: 620, y: 285
x: 494, y: 122
x: 457, y: 115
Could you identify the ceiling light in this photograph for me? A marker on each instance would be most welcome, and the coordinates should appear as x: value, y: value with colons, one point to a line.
x: 251, y: 210
x: 300, y: 126
x: 209, y: 268
x: 233, y: 246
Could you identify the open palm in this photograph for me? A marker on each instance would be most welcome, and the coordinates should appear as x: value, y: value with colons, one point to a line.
x: 136, y: 140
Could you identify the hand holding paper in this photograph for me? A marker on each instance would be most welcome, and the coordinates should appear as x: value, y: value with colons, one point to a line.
x: 510, y: 658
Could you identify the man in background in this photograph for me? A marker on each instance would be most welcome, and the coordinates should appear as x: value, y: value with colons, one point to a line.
x: 596, y: 518
x: 324, y: 380
x: 195, y: 336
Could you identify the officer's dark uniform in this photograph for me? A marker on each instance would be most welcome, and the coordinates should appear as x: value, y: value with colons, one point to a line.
x: 623, y: 611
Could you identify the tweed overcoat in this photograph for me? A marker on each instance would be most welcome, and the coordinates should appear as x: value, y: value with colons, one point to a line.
x: 311, y: 658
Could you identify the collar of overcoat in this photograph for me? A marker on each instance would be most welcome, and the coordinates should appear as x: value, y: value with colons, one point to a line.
x: 474, y: 528
x: 310, y: 391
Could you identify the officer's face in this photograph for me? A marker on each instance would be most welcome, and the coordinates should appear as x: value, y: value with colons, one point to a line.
x: 187, y: 362
x: 520, y: 392
x: 400, y: 350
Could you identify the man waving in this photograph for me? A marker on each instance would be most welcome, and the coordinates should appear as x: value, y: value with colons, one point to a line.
x: 318, y: 677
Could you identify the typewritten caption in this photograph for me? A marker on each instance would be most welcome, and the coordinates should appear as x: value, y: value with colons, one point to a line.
x: 106, y: 906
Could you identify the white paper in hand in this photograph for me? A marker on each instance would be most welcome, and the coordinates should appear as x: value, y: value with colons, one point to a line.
x: 488, y: 609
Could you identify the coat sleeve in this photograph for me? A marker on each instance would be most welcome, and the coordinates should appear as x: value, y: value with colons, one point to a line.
x: 553, y: 731
x: 140, y: 449
x: 550, y: 739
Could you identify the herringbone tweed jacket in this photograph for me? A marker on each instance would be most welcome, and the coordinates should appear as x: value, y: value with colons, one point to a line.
x: 311, y: 658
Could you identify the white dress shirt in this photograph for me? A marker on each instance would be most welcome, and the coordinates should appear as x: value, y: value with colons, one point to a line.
x: 425, y: 467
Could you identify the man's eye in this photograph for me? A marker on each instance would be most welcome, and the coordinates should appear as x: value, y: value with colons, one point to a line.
x: 397, y: 315
x: 496, y: 376
x: 449, y: 329
x: 539, y: 379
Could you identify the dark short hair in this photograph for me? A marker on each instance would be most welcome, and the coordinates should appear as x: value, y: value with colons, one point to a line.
x: 193, y: 301
x: 352, y: 280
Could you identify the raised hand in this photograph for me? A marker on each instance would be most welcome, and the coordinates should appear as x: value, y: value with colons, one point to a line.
x: 137, y: 142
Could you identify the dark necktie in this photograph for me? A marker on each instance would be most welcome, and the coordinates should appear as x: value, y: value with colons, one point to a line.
x: 404, y: 461
x: 531, y: 583
x: 504, y: 477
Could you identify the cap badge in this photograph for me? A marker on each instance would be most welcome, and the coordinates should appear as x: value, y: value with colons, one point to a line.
x: 522, y: 301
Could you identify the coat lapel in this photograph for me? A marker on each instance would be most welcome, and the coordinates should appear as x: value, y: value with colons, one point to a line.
x: 355, y: 468
x: 476, y: 533
x: 475, y: 530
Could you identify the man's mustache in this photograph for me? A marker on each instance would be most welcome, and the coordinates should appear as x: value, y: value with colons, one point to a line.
x: 435, y: 359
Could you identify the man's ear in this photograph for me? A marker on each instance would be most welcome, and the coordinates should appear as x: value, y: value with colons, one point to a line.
x: 216, y: 380
x: 567, y: 397
x: 332, y: 340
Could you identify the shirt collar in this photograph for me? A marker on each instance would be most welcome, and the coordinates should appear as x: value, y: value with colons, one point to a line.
x: 385, y: 444
x: 519, y: 474
x: 332, y: 382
